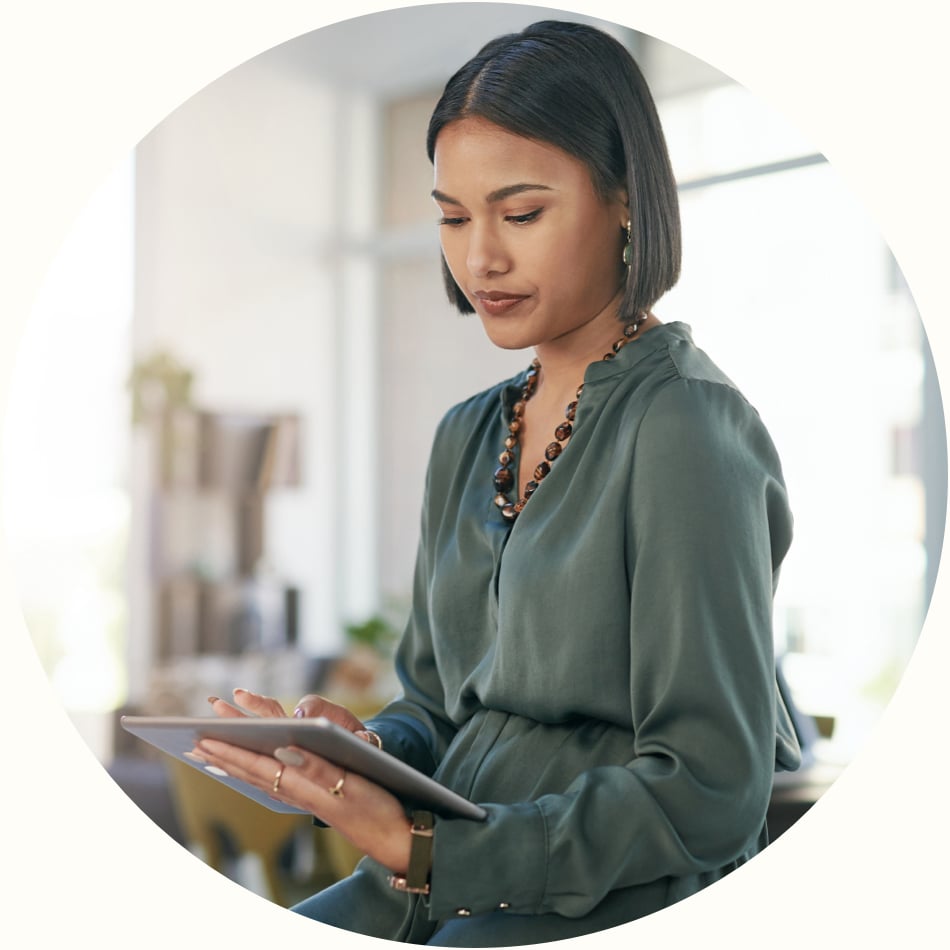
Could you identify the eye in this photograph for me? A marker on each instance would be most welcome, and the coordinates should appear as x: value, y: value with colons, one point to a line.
x: 524, y: 218
x: 451, y: 222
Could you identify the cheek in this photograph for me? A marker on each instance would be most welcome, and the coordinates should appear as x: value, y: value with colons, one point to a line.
x: 606, y: 254
x: 582, y: 266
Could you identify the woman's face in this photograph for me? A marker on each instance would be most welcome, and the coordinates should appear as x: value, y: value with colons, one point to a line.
x: 528, y: 240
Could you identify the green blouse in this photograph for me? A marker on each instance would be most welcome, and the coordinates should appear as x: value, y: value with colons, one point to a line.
x: 600, y: 674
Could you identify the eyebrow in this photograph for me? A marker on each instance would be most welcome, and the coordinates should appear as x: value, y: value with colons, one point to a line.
x: 499, y: 194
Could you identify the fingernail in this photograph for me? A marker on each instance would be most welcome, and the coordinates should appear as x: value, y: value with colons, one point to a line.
x: 289, y: 756
x: 298, y: 713
x: 195, y: 758
x: 214, y: 770
x: 241, y: 689
x: 213, y: 699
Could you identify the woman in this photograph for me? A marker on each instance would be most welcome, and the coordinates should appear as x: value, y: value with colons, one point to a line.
x: 589, y: 653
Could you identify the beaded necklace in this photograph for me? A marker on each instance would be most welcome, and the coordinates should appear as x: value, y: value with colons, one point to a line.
x: 503, y: 477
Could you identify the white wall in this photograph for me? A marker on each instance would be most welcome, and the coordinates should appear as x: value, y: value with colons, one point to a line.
x: 236, y: 212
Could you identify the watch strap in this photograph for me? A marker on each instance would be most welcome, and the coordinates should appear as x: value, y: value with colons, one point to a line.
x: 416, y: 880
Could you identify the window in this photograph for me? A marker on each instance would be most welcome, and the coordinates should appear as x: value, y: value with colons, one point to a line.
x: 67, y: 445
x: 795, y: 295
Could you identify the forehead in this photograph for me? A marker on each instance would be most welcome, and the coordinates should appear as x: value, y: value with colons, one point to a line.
x: 475, y: 156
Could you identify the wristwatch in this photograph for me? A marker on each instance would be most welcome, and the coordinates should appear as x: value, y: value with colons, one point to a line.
x: 416, y: 878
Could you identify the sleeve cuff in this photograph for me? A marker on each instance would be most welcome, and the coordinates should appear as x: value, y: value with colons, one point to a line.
x: 510, y: 850
x: 405, y: 740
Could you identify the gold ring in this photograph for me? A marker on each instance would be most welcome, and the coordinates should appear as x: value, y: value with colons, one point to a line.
x: 277, y: 779
x: 337, y: 789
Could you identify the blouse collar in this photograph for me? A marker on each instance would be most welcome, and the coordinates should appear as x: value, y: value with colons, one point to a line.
x: 636, y: 350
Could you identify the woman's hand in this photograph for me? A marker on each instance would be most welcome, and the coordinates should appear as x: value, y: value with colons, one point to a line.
x: 247, y: 703
x: 309, y: 707
x: 363, y: 812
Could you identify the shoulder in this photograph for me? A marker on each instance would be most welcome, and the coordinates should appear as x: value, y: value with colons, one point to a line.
x: 698, y: 414
x: 665, y: 373
x: 689, y: 387
x: 697, y: 404
x: 704, y: 459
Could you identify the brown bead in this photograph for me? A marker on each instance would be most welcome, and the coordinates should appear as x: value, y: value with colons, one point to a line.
x: 503, y: 479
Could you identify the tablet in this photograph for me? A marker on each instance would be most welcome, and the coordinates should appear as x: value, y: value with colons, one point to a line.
x: 177, y: 735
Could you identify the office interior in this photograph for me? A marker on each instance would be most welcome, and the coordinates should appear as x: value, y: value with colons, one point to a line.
x: 251, y: 350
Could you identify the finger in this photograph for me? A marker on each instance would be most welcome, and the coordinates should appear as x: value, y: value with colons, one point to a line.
x: 321, y: 774
x: 311, y: 706
x: 234, y: 755
x: 307, y: 786
x: 243, y: 764
x: 369, y: 737
x: 224, y: 709
x: 258, y: 705
x: 290, y: 756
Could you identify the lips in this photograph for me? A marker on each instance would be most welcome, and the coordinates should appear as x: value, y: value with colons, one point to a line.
x: 497, y: 302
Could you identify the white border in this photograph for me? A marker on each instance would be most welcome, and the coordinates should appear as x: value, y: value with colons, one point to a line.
x: 81, y: 83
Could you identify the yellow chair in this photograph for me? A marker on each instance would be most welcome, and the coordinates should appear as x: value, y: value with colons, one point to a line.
x: 210, y: 813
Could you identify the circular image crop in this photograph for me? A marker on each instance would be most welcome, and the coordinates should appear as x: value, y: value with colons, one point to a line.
x: 251, y: 437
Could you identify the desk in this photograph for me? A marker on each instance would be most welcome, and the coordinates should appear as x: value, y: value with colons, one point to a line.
x: 793, y: 793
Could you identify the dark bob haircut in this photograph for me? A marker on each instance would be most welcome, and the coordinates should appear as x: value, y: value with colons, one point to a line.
x: 577, y: 88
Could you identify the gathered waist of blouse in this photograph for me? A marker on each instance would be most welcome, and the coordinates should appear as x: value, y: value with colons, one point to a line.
x: 504, y: 757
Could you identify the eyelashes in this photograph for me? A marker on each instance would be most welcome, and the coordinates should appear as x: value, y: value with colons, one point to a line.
x: 526, y: 218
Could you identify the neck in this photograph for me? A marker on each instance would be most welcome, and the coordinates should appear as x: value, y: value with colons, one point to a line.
x: 564, y: 360
x: 561, y: 369
x: 520, y: 428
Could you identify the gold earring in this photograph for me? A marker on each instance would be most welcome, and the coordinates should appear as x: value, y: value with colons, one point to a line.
x: 628, y: 247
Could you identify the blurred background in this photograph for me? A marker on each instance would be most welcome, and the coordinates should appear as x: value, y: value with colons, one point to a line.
x: 222, y: 408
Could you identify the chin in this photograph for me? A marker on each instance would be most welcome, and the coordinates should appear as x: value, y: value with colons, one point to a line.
x: 507, y: 337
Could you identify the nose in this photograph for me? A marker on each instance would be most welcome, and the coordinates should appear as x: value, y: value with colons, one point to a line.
x: 486, y: 252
